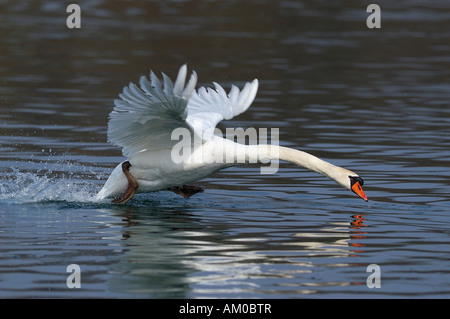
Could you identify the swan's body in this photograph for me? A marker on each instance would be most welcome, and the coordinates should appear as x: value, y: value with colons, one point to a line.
x: 143, y: 121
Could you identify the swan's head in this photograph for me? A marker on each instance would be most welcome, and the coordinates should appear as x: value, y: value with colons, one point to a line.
x: 347, y: 179
x: 356, y: 184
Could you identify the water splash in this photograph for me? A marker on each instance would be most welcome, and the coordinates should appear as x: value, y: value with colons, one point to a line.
x: 18, y: 187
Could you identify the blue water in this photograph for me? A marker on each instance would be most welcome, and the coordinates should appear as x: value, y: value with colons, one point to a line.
x: 372, y: 100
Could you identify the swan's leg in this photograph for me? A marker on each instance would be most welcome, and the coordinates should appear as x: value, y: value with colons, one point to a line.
x: 132, y: 185
x: 186, y: 190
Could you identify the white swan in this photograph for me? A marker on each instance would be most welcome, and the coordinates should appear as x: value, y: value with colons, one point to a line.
x: 142, y: 123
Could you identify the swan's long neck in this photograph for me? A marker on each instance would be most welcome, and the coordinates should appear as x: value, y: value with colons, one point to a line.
x: 300, y: 158
x: 304, y: 159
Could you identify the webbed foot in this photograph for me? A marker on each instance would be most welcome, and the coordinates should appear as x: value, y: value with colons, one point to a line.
x: 186, y: 190
x: 132, y: 185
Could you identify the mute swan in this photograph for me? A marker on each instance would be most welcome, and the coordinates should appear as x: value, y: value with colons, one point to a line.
x: 143, y: 121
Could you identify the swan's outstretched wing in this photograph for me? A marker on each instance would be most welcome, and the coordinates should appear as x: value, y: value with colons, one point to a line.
x: 207, y: 107
x: 144, y: 119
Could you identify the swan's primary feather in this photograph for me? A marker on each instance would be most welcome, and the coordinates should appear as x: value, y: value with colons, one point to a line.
x: 144, y: 118
x: 208, y: 106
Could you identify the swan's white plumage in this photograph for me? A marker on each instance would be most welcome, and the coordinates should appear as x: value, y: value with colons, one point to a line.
x: 207, y: 107
x: 144, y: 118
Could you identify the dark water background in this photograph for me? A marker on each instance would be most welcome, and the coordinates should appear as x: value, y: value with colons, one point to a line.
x: 373, y: 100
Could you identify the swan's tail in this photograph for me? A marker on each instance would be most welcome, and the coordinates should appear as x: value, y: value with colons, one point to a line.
x: 116, y: 184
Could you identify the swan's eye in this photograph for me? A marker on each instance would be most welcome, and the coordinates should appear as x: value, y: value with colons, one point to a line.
x: 354, y: 179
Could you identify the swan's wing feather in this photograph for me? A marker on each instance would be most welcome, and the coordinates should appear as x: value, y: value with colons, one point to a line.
x: 207, y: 107
x: 144, y: 118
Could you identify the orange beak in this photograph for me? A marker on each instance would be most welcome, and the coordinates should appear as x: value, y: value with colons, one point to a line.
x: 357, y: 189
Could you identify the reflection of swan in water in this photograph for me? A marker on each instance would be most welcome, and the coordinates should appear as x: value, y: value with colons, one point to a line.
x: 165, y: 256
x: 144, y: 120
x: 172, y: 254
x: 335, y: 239
x: 358, y: 233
